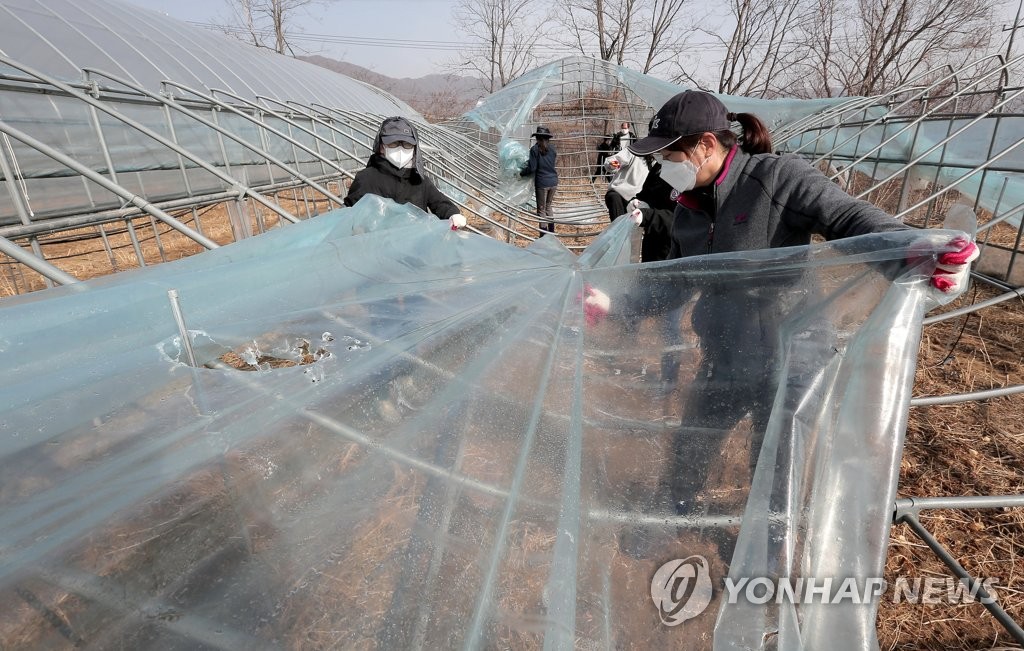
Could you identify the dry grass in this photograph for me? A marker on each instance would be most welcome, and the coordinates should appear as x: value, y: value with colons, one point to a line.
x: 970, y: 448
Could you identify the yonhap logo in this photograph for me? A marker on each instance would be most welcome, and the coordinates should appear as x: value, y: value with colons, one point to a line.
x: 681, y: 589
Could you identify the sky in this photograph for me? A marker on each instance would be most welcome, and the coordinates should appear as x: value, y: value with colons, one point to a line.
x: 363, y: 32
x: 397, y: 38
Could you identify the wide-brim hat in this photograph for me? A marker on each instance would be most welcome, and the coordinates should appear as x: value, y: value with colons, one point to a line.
x: 686, y: 114
x: 541, y: 132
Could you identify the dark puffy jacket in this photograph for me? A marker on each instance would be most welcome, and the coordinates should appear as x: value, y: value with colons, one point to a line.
x: 542, y: 166
x: 402, y: 185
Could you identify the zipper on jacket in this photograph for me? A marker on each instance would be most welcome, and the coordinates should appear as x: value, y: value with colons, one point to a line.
x: 714, y: 217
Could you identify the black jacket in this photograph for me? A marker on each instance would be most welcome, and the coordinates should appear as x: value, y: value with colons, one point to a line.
x: 617, y: 140
x: 403, y: 186
x: 658, y: 217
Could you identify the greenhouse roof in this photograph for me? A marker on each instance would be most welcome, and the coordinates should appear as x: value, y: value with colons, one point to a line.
x: 60, y: 37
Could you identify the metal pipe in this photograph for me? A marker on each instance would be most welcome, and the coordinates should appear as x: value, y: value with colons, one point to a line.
x: 967, y: 397
x: 912, y: 506
x: 1016, y: 293
x: 100, y: 180
x: 179, y: 319
x: 35, y: 263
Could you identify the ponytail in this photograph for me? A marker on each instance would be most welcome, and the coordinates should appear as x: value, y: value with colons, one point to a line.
x: 755, y: 138
x: 542, y: 146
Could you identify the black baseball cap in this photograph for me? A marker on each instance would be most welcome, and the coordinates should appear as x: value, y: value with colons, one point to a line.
x: 688, y: 113
x: 397, y: 129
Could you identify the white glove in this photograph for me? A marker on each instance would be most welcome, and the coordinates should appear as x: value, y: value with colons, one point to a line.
x: 954, y: 268
x: 457, y: 221
x: 636, y: 207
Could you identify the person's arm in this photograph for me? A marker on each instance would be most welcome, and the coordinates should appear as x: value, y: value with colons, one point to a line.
x: 812, y: 202
x: 816, y: 201
x: 355, y: 192
x: 531, y: 165
x: 438, y: 202
x: 617, y: 161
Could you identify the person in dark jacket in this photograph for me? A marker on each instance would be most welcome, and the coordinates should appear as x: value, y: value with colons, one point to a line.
x: 622, y: 137
x: 545, y: 176
x: 395, y: 171
x: 734, y: 194
x: 604, y: 150
x: 657, y: 204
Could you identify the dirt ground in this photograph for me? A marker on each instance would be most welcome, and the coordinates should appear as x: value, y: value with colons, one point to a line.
x: 971, y: 448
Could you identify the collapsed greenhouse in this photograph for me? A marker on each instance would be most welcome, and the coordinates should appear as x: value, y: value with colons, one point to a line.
x: 287, y: 424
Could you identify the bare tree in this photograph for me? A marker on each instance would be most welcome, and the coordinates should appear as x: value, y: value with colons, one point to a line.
x: 815, y: 53
x: 900, y: 37
x: 265, y: 23
x: 603, y: 29
x: 867, y: 47
x: 663, y: 30
x: 504, y: 43
x: 757, y: 51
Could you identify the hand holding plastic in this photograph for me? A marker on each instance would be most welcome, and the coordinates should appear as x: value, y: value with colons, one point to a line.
x: 954, y: 268
x: 458, y: 220
x: 595, y: 305
x: 636, y: 207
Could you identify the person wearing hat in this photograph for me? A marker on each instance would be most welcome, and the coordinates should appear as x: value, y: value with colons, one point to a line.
x: 545, y: 177
x: 395, y: 171
x: 734, y: 194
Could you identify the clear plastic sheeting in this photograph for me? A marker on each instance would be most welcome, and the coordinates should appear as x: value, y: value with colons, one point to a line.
x: 60, y: 37
x: 512, y: 158
x: 509, y: 111
x: 400, y: 436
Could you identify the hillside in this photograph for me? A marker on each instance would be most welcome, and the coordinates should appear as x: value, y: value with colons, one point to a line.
x: 435, y: 96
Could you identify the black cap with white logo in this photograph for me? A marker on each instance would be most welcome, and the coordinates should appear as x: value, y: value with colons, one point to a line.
x: 686, y: 114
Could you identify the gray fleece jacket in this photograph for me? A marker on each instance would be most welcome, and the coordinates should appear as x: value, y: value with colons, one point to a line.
x: 760, y: 202
x: 766, y: 201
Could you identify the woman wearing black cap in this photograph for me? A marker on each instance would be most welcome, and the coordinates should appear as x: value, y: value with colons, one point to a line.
x: 395, y: 171
x: 735, y: 195
x: 545, y: 176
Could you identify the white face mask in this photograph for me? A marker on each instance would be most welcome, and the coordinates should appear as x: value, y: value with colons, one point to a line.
x: 625, y: 131
x: 681, y: 176
x: 399, y: 156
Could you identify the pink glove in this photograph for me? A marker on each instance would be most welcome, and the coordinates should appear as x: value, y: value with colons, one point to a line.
x: 595, y: 305
x: 954, y: 268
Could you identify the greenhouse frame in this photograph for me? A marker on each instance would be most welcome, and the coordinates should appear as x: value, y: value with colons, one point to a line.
x: 238, y: 413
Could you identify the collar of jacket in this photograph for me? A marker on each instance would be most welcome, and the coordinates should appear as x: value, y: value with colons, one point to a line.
x: 384, y: 165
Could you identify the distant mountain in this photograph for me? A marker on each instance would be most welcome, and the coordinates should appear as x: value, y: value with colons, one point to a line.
x: 437, y: 97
